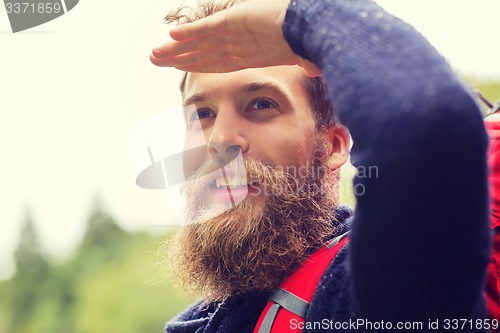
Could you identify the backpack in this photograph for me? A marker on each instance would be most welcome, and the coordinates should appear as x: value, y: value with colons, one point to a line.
x: 287, y: 306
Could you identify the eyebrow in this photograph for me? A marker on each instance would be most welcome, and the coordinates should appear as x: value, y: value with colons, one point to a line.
x: 247, y: 88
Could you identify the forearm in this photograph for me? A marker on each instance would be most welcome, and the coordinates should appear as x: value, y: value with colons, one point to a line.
x: 420, y: 238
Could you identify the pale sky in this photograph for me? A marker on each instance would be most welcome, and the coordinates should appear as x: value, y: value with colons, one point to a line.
x: 71, y: 91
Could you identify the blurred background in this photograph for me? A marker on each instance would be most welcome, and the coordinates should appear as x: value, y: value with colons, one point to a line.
x: 78, y: 240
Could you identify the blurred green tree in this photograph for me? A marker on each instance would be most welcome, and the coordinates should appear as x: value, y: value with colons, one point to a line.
x: 32, y: 270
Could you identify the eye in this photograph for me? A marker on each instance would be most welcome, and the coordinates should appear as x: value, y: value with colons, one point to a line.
x: 262, y: 103
x: 199, y: 115
x: 202, y: 114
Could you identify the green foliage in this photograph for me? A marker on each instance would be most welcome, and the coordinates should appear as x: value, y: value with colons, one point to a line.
x: 33, y: 272
x: 111, y: 284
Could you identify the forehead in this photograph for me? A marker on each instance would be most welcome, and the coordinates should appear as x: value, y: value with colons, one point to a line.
x: 288, y: 79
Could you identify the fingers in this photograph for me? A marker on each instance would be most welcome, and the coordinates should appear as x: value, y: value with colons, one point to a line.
x: 205, y: 57
x: 204, y: 42
x: 228, y: 41
x: 310, y: 68
x: 229, y: 65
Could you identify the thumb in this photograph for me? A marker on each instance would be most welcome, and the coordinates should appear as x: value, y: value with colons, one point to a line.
x: 310, y: 68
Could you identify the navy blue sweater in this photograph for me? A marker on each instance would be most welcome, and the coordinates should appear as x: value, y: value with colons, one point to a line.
x: 419, y: 243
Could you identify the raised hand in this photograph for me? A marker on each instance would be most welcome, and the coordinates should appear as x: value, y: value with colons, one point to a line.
x: 247, y: 35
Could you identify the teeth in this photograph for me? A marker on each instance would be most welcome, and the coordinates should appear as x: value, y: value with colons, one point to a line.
x: 234, y: 181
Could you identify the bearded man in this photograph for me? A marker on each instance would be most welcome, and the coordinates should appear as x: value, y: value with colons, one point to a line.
x: 419, y: 245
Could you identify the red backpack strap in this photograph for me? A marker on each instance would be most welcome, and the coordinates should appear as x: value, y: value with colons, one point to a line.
x: 290, y: 302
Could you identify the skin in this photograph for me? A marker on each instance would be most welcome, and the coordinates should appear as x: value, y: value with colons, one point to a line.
x: 283, y: 134
x: 221, y: 42
x: 263, y: 111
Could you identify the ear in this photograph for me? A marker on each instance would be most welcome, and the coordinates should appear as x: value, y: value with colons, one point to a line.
x: 338, y: 143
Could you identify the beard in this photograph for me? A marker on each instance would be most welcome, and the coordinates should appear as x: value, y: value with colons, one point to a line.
x: 257, y: 243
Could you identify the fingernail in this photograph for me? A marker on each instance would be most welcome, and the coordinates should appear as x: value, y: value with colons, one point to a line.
x: 157, y: 52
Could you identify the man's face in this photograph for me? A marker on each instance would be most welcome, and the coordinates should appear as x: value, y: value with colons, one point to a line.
x: 263, y: 113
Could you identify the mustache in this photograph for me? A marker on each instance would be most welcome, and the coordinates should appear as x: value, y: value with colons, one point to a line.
x: 253, y: 170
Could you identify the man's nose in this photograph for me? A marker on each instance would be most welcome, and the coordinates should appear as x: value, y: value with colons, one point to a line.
x: 227, y: 139
x: 223, y: 153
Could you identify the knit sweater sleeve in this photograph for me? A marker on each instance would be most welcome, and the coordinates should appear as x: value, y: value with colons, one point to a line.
x: 419, y: 245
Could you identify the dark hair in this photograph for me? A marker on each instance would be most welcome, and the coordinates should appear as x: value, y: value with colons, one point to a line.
x: 324, y: 113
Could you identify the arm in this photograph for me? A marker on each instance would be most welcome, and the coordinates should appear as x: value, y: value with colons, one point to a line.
x: 420, y: 238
